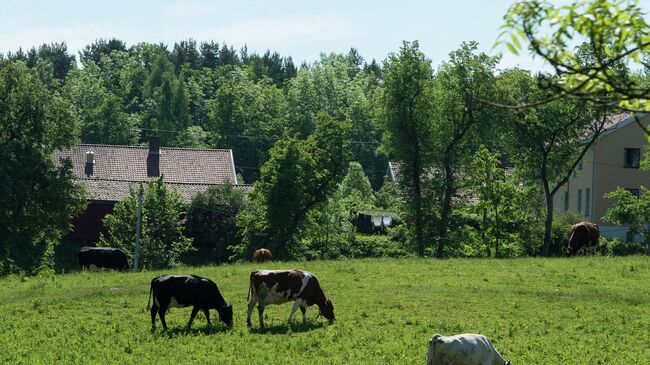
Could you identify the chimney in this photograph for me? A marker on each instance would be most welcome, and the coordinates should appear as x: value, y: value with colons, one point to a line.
x: 90, y: 163
x: 153, y: 158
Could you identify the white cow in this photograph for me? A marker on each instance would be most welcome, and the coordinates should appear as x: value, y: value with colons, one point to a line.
x: 465, y: 349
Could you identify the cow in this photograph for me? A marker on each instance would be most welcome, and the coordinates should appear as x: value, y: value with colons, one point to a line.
x: 262, y: 255
x: 465, y: 349
x: 280, y: 286
x: 584, y: 237
x: 171, y: 291
x: 98, y: 257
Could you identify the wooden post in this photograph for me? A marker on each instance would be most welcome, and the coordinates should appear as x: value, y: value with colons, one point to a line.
x: 137, y: 231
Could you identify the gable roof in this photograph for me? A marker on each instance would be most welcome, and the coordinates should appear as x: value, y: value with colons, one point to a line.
x: 619, y: 121
x: 117, y: 169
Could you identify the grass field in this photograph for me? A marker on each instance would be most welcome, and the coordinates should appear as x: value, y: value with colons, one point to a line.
x: 536, y: 311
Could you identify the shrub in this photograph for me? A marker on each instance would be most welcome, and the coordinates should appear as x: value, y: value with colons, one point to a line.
x: 162, y: 239
x: 616, y: 247
x: 212, y: 222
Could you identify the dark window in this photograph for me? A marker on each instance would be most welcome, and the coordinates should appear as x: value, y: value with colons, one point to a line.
x: 634, y: 192
x: 632, y: 158
x: 579, y: 201
x: 566, y: 200
x: 587, y: 202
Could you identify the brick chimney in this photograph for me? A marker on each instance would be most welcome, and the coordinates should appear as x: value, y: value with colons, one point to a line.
x: 90, y: 163
x: 153, y: 158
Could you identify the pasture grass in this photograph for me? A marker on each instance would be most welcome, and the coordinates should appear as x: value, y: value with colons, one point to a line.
x: 536, y: 311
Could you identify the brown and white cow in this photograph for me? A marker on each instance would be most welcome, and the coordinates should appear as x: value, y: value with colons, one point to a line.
x: 281, y: 286
x: 584, y: 236
x: 262, y: 255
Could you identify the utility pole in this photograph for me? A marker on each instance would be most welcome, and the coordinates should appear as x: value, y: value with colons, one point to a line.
x: 137, y: 231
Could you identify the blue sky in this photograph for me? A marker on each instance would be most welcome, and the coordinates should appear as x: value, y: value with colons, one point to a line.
x: 301, y: 29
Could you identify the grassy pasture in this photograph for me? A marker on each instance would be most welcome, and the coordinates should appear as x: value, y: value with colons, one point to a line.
x: 536, y: 311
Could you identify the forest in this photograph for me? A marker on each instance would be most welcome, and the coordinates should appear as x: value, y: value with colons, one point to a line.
x: 481, y: 151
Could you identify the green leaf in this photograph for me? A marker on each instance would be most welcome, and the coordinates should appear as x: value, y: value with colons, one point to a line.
x: 512, y: 49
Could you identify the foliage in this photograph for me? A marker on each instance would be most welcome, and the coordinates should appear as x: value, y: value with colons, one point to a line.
x: 212, y: 221
x: 298, y: 177
x: 38, y: 197
x: 547, y: 142
x: 459, y: 120
x: 632, y: 211
x: 406, y: 114
x: 616, y: 247
x: 162, y: 239
x: 613, y: 32
x: 499, y: 200
x: 533, y: 310
x: 355, y: 188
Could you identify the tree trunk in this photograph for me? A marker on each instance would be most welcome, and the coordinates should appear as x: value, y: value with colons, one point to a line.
x: 548, y: 229
x: 483, y: 228
x: 496, y: 231
x: 446, y: 209
x: 419, y: 219
x: 647, y: 241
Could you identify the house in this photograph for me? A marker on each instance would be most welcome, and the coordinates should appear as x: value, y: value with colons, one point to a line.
x: 108, y: 172
x: 612, y: 161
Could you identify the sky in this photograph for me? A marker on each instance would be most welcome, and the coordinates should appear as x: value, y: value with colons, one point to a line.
x: 300, y: 29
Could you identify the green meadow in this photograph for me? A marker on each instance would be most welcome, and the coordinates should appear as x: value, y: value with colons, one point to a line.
x: 536, y: 311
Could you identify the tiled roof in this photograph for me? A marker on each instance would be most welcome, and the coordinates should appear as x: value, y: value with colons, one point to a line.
x: 181, y: 165
x: 116, y: 190
x: 117, y: 169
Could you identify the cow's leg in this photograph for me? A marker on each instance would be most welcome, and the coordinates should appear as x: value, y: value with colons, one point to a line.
x: 195, y: 310
x: 206, y: 311
x: 251, y: 305
x: 296, y: 304
x: 304, y: 313
x: 260, y: 311
x: 154, y: 310
x: 161, y: 313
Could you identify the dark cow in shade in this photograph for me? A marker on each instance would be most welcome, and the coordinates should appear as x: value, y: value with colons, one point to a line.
x: 280, y: 286
x: 262, y: 255
x: 584, y: 236
x: 465, y: 349
x: 183, y: 291
x: 98, y: 257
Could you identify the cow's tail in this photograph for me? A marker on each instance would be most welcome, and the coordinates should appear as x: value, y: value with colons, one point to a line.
x: 149, y: 301
x: 250, y: 289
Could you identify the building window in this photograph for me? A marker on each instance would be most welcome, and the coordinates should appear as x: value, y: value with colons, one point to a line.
x: 579, y: 209
x: 632, y: 158
x: 634, y: 192
x: 587, y: 202
x: 566, y: 200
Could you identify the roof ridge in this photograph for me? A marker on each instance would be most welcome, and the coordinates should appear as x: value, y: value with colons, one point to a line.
x: 151, y: 179
x: 146, y: 147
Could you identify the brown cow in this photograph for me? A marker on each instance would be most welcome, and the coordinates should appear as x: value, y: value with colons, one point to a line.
x: 262, y: 255
x: 280, y: 286
x: 584, y: 237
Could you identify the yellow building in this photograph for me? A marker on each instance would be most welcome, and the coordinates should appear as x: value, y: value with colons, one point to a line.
x: 611, y: 162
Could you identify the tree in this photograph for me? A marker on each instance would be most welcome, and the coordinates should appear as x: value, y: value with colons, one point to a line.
x: 95, y: 50
x: 459, y: 87
x: 162, y: 238
x: 615, y: 32
x: 38, y: 196
x: 631, y: 210
x: 355, y: 188
x: 548, y: 141
x: 499, y: 199
x: 407, y: 113
x: 299, y: 176
x: 212, y: 221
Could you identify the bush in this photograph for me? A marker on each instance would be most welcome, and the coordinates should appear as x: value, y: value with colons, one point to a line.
x: 616, y: 247
x: 162, y: 239
x: 212, y: 222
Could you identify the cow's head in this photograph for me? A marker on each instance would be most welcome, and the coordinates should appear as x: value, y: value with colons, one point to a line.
x: 567, y: 250
x: 225, y: 314
x: 327, y: 310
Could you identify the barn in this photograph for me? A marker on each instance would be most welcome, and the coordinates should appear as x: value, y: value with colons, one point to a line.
x: 108, y: 172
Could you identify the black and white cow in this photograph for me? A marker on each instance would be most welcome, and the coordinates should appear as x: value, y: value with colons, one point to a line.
x: 98, y: 257
x: 465, y: 349
x: 187, y: 290
x: 280, y: 286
